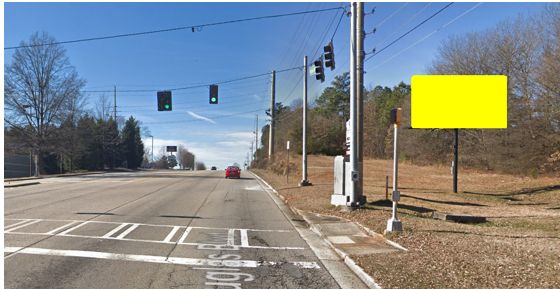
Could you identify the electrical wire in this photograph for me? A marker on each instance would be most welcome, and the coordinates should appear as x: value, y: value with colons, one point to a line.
x: 192, y: 27
x: 408, y: 32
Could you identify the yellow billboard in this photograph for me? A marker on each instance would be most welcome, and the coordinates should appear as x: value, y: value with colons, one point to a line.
x: 459, y: 101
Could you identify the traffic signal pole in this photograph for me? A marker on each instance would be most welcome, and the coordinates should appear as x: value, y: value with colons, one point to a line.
x: 272, y: 114
x: 304, y: 180
x: 355, y: 174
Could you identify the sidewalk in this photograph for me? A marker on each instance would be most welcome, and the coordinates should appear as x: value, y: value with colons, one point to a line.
x: 346, y: 238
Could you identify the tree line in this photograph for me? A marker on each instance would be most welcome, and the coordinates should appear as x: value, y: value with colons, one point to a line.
x: 526, y: 49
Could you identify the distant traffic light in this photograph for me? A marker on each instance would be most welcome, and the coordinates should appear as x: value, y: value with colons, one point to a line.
x: 213, y: 94
x: 329, y: 55
x: 164, y: 100
x: 319, y: 70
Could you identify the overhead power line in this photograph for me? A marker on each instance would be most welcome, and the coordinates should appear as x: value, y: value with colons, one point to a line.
x: 192, y: 27
x: 409, y: 31
x: 199, y: 85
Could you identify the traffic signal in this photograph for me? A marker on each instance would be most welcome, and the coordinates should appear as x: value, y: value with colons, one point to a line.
x: 164, y: 100
x: 329, y: 55
x: 318, y: 70
x: 213, y: 94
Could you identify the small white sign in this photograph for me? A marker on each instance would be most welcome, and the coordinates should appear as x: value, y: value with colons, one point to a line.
x: 288, y: 145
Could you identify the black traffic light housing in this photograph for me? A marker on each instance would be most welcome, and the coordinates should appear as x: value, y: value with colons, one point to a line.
x: 329, y: 55
x: 164, y: 101
x: 213, y: 98
x: 319, y: 70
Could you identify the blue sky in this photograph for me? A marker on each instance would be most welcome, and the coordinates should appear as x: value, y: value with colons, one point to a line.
x: 220, y: 53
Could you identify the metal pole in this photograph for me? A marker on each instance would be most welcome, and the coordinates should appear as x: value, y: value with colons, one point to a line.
x: 152, y: 148
x: 288, y: 169
x: 257, y: 138
x: 304, y: 181
x: 272, y: 109
x: 353, y: 111
x: 115, y: 103
x: 456, y: 161
x: 394, y: 224
x: 30, y: 163
x: 360, y: 101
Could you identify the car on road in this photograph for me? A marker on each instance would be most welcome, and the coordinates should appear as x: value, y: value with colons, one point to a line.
x: 233, y: 172
x: 213, y: 168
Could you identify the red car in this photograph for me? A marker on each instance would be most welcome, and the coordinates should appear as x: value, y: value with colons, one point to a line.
x: 233, y: 172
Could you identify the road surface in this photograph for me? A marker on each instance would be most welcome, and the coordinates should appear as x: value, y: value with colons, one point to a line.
x: 160, y: 229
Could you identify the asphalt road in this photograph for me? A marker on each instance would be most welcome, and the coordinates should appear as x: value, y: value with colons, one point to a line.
x: 160, y: 229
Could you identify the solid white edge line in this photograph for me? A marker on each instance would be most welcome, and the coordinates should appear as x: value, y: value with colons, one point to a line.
x: 118, y: 228
x: 184, y: 236
x: 128, y: 231
x: 23, y: 226
x: 244, y: 238
x: 60, y: 228
x: 171, y: 234
x: 157, y: 259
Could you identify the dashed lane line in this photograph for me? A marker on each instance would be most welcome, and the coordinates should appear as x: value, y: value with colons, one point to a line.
x: 157, y: 259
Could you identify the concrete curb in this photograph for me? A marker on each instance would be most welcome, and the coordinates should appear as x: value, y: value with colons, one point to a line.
x: 350, y: 263
x: 21, y: 185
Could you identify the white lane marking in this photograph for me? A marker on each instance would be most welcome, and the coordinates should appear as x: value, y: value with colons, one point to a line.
x: 244, y: 238
x: 158, y: 242
x: 61, y: 228
x: 118, y: 228
x: 73, y: 228
x: 157, y: 259
x: 167, y: 226
x: 171, y: 234
x: 231, y: 237
x: 22, y: 226
x: 128, y: 231
x: 184, y: 236
x: 17, y: 223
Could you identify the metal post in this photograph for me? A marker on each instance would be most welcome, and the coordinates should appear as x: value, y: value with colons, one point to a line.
x: 354, y: 176
x: 30, y: 163
x: 304, y: 180
x: 359, y: 199
x: 257, y: 137
x: 36, y: 159
x: 456, y: 161
x: 152, y: 148
x: 115, y: 103
x: 288, y: 165
x: 386, y: 187
x: 394, y: 224
x: 272, y: 109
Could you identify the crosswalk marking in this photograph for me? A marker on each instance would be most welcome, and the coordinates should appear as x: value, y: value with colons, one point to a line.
x: 62, y: 227
x: 171, y: 234
x: 118, y: 228
x: 185, y: 234
x: 16, y: 224
x: 67, y: 230
x: 123, y: 234
x: 73, y: 228
x: 23, y: 225
x: 244, y: 238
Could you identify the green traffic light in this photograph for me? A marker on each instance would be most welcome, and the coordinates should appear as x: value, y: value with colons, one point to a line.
x: 213, y: 99
x: 167, y: 106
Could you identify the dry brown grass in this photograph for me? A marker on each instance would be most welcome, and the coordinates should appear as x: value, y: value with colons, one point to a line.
x: 519, y: 246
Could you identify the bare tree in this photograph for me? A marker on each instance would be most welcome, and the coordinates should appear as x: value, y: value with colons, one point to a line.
x: 41, y: 90
x: 185, y: 158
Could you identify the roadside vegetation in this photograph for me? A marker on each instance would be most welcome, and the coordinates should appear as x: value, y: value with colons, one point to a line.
x: 526, y: 49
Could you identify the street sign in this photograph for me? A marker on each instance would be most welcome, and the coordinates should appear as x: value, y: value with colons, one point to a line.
x: 348, y: 137
x: 171, y: 149
x: 288, y: 145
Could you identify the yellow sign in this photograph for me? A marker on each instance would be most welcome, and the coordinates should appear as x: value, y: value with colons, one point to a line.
x: 459, y: 101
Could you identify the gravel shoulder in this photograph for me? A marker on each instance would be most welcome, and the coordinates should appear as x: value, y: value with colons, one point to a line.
x: 518, y: 247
